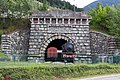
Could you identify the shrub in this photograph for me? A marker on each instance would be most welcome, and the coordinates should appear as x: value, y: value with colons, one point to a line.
x: 48, y: 72
x: 3, y: 57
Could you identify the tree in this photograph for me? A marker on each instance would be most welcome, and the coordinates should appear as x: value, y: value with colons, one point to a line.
x: 115, y: 30
x: 19, y: 8
x: 44, y: 6
x: 3, y: 7
x: 106, y: 19
x: 102, y: 17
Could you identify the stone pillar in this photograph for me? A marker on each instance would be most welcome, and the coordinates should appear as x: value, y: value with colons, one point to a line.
x: 50, y: 20
x: 62, y: 20
x: 75, y: 21
x: 81, y: 21
x: 38, y: 20
x: 87, y: 22
x: 56, y: 20
x: 44, y: 21
x: 69, y: 21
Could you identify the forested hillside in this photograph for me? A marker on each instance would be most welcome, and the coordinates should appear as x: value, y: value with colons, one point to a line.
x: 103, y: 3
x: 14, y: 13
x: 61, y: 4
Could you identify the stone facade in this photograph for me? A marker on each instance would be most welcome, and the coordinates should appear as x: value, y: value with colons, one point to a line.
x: 61, y: 25
x: 15, y: 43
x: 102, y: 43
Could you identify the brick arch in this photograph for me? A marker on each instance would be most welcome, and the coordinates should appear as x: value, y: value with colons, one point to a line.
x: 48, y: 40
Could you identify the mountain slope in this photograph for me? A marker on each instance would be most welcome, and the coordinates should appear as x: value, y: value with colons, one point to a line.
x: 61, y: 4
x: 103, y: 2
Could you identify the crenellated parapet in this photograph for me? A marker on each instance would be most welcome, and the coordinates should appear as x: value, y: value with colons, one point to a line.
x: 60, y: 17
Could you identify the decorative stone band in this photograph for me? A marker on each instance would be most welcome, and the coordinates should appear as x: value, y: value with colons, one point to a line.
x: 47, y: 41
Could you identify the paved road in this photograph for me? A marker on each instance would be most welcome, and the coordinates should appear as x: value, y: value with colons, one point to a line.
x: 106, y: 77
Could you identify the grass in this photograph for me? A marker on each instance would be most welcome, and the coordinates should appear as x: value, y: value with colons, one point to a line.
x: 49, y: 71
x: 92, y: 28
x: 16, y: 64
x: 2, y: 55
x: 9, y: 64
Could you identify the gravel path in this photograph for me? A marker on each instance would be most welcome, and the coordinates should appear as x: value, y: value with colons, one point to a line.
x: 106, y: 77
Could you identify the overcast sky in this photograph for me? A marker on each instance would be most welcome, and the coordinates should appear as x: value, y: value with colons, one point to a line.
x: 80, y: 3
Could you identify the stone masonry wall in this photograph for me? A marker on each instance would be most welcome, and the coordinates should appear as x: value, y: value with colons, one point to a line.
x: 16, y: 42
x: 50, y: 25
x: 102, y: 43
x: 42, y: 34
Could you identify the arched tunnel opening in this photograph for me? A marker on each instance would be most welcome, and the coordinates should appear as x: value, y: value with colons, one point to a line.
x: 57, y: 43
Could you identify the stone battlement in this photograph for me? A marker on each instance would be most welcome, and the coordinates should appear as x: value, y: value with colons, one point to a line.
x: 60, y: 17
x: 60, y: 14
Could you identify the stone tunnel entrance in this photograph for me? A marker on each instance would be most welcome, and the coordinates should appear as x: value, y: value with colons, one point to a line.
x: 57, y: 43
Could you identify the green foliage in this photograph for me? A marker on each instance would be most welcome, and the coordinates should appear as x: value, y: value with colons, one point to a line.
x: 3, y: 57
x: 3, y: 6
x: 102, y: 17
x: 55, y: 71
x: 45, y: 5
x: 115, y: 30
x: 20, y: 8
x: 61, y: 4
x: 103, y: 2
x: 14, y: 13
x: 12, y: 24
x: 106, y: 19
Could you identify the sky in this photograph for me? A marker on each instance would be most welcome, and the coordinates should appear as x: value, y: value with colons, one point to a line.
x: 80, y: 3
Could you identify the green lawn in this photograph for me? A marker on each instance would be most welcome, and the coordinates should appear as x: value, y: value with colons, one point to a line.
x: 50, y: 71
x: 16, y: 64
x: 9, y: 64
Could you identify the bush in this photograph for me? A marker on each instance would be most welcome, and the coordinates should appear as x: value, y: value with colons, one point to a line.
x: 3, y: 57
x: 48, y: 72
